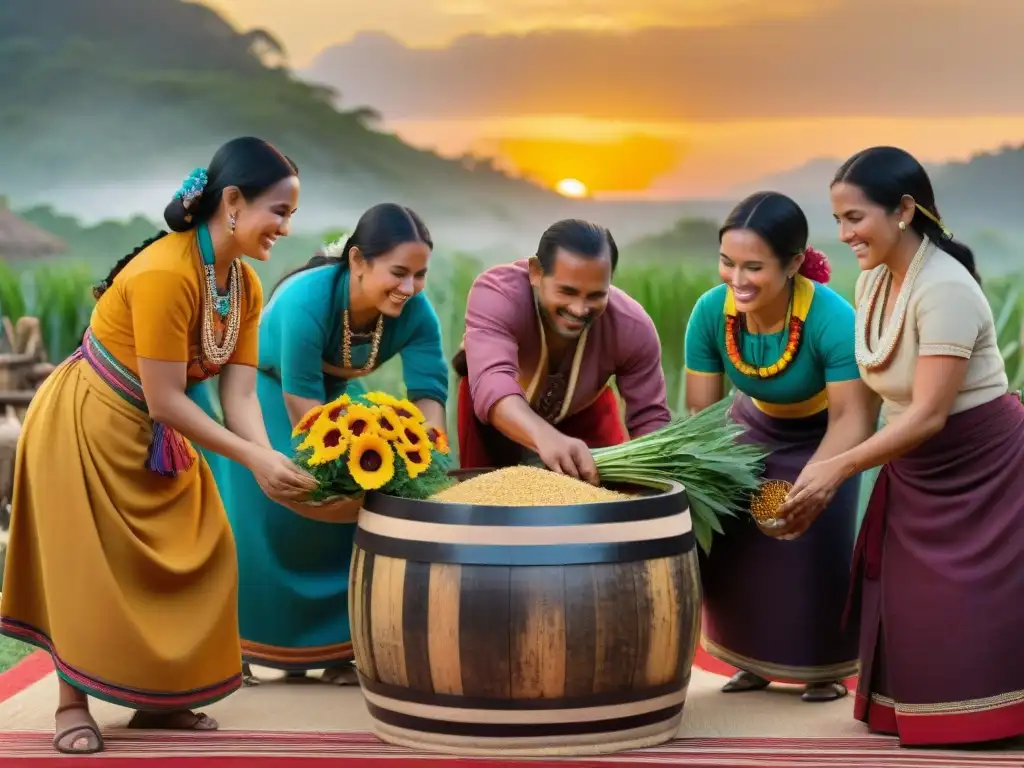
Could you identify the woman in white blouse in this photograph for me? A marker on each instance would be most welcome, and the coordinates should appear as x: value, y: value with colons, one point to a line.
x: 940, y: 558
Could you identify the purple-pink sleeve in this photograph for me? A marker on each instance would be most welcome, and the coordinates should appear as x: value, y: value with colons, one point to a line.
x: 492, y: 350
x: 640, y: 379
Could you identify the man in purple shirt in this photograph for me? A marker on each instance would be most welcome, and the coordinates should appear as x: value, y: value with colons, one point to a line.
x: 544, y: 337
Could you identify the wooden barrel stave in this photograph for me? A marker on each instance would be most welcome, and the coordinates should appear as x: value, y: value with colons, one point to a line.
x: 474, y: 658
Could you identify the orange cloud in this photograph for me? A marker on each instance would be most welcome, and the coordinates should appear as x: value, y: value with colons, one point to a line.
x: 311, y: 25
x: 810, y: 66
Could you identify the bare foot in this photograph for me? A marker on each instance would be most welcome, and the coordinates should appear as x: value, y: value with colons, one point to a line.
x: 183, y: 720
x: 75, y: 731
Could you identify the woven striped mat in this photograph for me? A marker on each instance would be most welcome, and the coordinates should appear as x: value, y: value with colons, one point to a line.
x: 325, y: 749
x: 266, y: 749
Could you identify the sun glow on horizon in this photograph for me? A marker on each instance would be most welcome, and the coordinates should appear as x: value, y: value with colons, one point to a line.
x: 572, y: 188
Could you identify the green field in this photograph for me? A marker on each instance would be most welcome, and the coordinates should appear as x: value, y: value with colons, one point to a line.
x: 59, y: 293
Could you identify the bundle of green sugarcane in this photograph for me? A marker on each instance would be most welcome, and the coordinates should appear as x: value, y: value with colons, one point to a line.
x: 703, y: 453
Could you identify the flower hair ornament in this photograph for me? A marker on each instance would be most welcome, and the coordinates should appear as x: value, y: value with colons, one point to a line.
x: 816, y: 266
x: 335, y: 250
x: 191, y: 189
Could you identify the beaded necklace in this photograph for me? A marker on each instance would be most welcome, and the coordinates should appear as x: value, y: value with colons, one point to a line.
x: 889, y: 336
x: 227, y: 307
x: 346, y: 343
x: 800, y: 305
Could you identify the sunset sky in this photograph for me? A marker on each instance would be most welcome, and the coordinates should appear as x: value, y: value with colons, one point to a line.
x: 666, y: 98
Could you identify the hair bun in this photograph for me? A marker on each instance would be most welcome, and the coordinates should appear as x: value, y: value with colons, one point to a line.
x: 177, y: 218
x: 816, y: 266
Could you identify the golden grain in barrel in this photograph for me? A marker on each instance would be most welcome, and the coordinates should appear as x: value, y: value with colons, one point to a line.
x: 526, y: 486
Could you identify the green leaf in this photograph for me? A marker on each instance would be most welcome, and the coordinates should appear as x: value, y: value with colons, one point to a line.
x: 702, y: 533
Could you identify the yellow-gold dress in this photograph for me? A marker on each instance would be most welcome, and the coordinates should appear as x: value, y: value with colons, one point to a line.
x: 126, y: 576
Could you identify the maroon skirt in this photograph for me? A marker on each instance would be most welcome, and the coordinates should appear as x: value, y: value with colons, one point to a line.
x: 940, y: 563
x: 775, y: 607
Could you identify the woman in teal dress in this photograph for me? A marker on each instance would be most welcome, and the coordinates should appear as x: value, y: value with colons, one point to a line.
x: 338, y: 318
x: 773, y: 607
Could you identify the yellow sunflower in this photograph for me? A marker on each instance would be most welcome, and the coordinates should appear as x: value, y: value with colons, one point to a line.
x: 307, y: 421
x: 371, y: 461
x: 337, y: 408
x: 389, y: 425
x: 414, y: 435
x: 359, y: 419
x: 439, y: 439
x: 329, y: 445
x: 407, y: 410
x: 381, y: 398
x: 416, y: 459
x: 320, y: 427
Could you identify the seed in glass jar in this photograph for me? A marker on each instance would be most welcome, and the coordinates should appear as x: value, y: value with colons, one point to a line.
x: 765, y: 505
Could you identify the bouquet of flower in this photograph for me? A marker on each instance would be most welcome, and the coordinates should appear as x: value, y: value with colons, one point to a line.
x: 372, y: 442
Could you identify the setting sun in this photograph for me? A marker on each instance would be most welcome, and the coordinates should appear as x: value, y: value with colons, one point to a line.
x: 571, y: 188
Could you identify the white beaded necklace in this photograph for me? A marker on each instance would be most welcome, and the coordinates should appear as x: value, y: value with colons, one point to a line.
x: 228, y: 308
x: 889, y: 336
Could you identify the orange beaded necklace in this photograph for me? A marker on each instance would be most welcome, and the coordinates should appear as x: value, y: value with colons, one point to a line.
x: 803, y: 293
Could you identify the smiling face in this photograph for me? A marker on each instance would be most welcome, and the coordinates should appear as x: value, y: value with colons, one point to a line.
x: 260, y: 221
x: 749, y: 266
x: 869, y: 229
x: 575, y: 294
x: 391, y: 279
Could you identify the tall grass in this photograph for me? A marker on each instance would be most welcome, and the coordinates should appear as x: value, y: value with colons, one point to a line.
x: 59, y: 293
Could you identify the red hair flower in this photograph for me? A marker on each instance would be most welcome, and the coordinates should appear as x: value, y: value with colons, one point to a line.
x: 816, y: 266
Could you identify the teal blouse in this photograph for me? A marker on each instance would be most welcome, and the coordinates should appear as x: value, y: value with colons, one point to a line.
x: 825, y: 356
x: 301, y: 327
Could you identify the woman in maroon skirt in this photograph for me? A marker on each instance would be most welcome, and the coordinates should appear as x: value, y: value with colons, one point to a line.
x: 939, y: 560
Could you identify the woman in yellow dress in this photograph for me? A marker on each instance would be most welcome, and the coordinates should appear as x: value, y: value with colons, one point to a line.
x: 121, y: 561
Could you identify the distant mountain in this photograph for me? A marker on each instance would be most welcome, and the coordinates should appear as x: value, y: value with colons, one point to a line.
x: 105, y: 105
x: 980, y: 201
x: 809, y: 180
x: 806, y: 181
x: 985, y: 192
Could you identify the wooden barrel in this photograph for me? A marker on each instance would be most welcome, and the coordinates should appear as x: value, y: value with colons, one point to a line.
x: 554, y: 630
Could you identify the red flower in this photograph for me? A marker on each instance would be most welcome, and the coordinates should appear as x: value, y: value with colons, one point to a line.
x: 816, y: 266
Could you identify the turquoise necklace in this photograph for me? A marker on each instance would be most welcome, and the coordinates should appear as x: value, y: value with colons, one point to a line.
x: 221, y: 299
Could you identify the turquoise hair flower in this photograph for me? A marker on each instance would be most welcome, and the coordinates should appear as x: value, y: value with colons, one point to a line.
x: 192, y: 188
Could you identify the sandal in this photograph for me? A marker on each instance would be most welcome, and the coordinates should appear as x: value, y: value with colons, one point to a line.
x: 67, y: 739
x: 182, y: 720
x: 829, y: 691
x: 342, y: 674
x: 248, y: 678
x: 745, y: 681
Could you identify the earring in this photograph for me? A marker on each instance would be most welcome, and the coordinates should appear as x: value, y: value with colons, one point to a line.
x: 903, y: 226
x: 233, y: 220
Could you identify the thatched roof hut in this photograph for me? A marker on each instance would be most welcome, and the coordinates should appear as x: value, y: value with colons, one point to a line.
x: 21, y: 240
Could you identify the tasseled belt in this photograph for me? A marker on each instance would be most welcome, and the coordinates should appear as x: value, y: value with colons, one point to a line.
x: 169, y: 453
